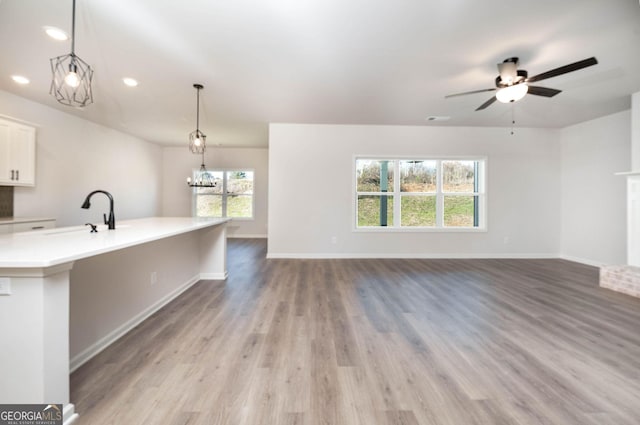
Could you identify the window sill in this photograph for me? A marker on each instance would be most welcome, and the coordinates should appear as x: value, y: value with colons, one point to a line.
x: 232, y: 218
x: 420, y: 230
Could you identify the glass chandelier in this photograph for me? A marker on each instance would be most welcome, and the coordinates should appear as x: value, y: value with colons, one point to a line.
x: 203, y: 178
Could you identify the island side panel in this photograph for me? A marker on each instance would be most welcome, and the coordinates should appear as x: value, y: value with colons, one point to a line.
x: 34, y: 324
x: 56, y: 337
x: 111, y: 293
x: 213, y: 252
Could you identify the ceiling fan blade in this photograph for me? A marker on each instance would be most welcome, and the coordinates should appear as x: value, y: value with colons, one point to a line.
x: 468, y: 92
x: 543, y: 91
x: 487, y: 103
x: 563, y: 70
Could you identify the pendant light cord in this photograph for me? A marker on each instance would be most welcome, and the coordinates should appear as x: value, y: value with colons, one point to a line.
x: 73, y: 29
x: 197, y: 112
x: 202, y: 168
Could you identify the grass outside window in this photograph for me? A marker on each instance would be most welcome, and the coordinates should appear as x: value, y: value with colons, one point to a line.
x: 231, y: 197
x: 418, y: 193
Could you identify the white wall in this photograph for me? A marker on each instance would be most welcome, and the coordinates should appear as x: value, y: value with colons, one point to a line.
x: 535, y: 167
x: 75, y: 157
x: 593, y: 198
x: 311, y: 198
x: 179, y: 163
x: 635, y: 131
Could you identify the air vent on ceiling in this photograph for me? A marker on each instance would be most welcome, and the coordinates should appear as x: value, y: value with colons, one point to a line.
x: 438, y: 118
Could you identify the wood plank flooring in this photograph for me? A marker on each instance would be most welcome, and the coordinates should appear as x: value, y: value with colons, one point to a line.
x: 429, y: 342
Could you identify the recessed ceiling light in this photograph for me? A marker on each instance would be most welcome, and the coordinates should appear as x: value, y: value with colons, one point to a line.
x: 20, y: 79
x: 130, y: 82
x: 56, y: 33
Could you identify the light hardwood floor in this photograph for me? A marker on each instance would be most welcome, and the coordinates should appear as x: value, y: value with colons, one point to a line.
x: 372, y: 342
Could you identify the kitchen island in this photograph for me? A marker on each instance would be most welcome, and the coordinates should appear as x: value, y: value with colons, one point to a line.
x: 70, y: 286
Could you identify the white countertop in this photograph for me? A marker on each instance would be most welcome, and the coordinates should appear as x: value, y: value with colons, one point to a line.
x: 15, y: 220
x: 61, y: 245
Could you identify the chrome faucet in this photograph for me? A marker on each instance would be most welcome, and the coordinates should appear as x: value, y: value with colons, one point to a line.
x: 111, y: 221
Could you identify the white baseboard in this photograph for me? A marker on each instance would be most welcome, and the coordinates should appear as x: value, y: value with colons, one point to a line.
x: 242, y: 236
x: 214, y: 276
x: 323, y: 256
x: 95, y: 348
x: 410, y: 256
x: 69, y: 414
x: 583, y: 261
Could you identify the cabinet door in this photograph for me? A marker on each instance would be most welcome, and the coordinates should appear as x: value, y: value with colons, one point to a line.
x: 22, y: 149
x: 5, y: 169
x: 17, y: 154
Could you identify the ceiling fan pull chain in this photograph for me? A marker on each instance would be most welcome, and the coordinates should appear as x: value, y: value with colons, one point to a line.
x: 513, y: 117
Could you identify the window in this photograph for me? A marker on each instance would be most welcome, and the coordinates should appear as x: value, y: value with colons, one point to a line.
x: 420, y: 193
x: 231, y: 197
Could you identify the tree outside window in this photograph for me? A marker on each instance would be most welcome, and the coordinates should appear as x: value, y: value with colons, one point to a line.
x: 231, y: 197
x: 428, y: 193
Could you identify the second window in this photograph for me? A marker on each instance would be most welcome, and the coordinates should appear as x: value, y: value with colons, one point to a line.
x: 420, y: 193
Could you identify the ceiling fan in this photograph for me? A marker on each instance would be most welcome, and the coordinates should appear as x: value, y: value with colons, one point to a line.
x: 513, y: 84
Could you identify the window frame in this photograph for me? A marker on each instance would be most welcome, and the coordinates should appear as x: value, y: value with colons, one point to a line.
x: 439, y: 194
x: 224, y: 194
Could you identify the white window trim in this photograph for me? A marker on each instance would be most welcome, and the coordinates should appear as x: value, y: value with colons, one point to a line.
x: 194, y: 195
x: 396, y: 228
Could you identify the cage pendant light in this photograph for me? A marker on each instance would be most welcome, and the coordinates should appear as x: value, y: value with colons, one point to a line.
x: 197, y: 145
x: 197, y: 138
x: 71, y: 80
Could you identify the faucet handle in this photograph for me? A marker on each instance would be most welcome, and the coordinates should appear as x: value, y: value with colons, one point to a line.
x: 94, y: 228
x: 105, y: 218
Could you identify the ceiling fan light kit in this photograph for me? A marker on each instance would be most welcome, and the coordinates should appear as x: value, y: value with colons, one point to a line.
x: 512, y: 93
x: 513, y: 84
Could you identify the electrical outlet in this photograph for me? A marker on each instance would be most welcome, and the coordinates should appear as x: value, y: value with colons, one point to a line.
x: 5, y: 286
x: 154, y: 278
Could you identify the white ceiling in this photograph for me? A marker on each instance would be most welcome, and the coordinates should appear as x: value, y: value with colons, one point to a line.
x: 323, y: 61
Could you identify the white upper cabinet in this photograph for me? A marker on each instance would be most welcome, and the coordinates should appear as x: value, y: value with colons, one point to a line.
x: 17, y: 154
